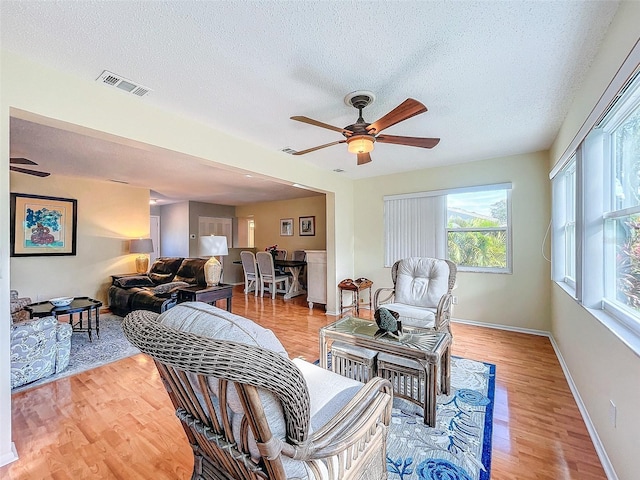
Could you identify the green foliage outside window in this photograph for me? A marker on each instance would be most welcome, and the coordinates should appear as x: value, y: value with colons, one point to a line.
x: 477, y: 248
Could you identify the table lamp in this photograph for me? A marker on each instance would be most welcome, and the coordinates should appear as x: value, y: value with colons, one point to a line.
x: 142, y: 246
x: 212, y: 245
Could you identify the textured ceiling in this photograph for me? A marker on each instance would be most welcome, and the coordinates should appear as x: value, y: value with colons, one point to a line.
x: 497, y: 76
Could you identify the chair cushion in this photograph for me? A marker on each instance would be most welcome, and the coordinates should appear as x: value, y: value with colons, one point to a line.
x: 421, y: 282
x: 411, y: 316
x: 212, y: 322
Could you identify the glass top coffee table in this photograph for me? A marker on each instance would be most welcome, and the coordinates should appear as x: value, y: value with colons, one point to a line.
x: 410, y: 361
x: 81, y: 311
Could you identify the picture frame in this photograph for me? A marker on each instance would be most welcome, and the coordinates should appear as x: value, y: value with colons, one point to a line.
x: 307, y: 226
x: 43, y: 226
x: 286, y: 227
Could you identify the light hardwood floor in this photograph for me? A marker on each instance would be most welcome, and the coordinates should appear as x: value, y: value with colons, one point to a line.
x: 116, y: 421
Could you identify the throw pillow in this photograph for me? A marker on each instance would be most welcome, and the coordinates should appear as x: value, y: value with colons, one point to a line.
x: 135, y: 281
x: 169, y: 287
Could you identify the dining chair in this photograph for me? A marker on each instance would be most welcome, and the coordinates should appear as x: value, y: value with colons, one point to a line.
x: 251, y: 275
x: 268, y: 275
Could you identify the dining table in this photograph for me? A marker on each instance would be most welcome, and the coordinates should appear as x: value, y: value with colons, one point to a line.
x: 295, y: 267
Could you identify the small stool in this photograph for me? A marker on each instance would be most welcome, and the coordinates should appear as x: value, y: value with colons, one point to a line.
x: 354, y: 286
x: 353, y: 362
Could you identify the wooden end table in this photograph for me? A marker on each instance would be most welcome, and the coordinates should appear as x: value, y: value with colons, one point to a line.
x: 425, y: 351
x: 86, y: 308
x: 209, y: 295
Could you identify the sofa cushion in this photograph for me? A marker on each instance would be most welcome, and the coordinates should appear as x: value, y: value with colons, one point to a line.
x: 135, y: 281
x: 164, y: 269
x: 191, y: 271
x: 170, y: 287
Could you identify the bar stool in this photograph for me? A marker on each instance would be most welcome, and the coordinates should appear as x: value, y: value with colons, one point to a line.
x: 355, y: 287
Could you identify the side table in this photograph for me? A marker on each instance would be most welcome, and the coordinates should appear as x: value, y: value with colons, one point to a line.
x: 86, y: 308
x: 354, y: 286
x: 210, y: 295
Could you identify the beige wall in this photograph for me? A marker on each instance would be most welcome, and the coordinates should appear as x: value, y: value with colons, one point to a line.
x: 482, y: 297
x: 109, y: 214
x: 602, y: 367
x: 267, y: 217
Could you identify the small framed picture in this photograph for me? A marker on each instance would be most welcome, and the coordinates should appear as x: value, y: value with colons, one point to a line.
x: 307, y: 226
x: 286, y: 227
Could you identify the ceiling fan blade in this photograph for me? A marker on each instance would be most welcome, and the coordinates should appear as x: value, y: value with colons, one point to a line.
x: 302, y: 152
x: 411, y: 141
x: 22, y: 161
x: 363, y: 158
x: 311, y: 121
x: 29, y: 172
x: 406, y: 109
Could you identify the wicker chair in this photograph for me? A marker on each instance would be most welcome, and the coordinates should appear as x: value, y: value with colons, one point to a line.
x: 262, y: 392
x: 421, y: 293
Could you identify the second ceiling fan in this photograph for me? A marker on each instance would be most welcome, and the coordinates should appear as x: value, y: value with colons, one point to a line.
x: 361, y: 135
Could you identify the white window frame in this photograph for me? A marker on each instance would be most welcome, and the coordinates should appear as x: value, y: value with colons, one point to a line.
x: 407, y: 228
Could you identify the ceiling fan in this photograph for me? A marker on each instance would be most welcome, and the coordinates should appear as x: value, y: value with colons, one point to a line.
x: 26, y: 161
x: 361, y: 135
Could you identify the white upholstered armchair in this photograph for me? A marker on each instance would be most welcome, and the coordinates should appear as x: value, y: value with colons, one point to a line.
x: 421, y: 293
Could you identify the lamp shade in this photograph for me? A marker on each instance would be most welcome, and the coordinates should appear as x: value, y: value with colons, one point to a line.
x: 211, y: 245
x: 141, y: 245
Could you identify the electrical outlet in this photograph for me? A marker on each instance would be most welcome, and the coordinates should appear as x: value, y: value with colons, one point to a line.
x: 613, y: 412
x: 455, y: 300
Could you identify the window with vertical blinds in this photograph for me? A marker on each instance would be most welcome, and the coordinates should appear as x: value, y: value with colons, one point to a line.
x: 470, y: 226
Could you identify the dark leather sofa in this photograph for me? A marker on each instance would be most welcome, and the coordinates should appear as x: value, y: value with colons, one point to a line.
x: 157, y: 290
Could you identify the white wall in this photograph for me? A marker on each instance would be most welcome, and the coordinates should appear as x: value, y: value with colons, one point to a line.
x: 602, y: 367
x: 520, y: 299
x: 30, y: 88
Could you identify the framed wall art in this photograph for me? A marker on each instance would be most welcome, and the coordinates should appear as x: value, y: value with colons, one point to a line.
x: 286, y: 227
x: 307, y: 226
x: 42, y: 225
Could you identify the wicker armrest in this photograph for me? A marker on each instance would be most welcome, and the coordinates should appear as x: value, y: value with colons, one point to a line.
x: 369, y: 407
x: 389, y: 292
x: 443, y: 312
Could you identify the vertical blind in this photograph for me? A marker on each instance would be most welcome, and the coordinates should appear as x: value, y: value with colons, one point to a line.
x: 414, y: 227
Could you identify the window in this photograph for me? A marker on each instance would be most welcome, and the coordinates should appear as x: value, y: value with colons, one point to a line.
x: 469, y: 226
x: 596, y: 215
x: 621, y: 147
x: 564, y: 219
x: 477, y: 234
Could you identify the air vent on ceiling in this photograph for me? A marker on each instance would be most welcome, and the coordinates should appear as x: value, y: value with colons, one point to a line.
x: 118, y: 81
x: 288, y: 150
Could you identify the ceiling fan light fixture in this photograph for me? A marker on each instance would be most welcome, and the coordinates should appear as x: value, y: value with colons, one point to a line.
x: 360, y: 144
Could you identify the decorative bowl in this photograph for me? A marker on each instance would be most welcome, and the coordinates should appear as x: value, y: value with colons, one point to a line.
x: 61, y: 301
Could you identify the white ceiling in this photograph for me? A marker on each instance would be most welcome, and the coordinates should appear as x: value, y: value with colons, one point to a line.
x: 497, y: 76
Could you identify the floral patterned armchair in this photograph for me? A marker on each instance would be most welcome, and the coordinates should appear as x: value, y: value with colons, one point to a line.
x: 39, y: 347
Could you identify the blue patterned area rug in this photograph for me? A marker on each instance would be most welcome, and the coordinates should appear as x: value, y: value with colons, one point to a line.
x: 110, y: 347
x: 459, y: 447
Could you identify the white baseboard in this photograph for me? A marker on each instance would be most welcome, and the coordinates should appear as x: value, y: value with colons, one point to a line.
x: 597, y: 443
x: 9, y: 457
